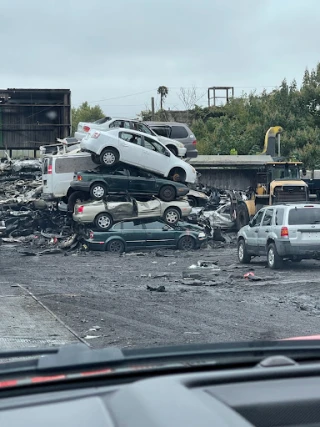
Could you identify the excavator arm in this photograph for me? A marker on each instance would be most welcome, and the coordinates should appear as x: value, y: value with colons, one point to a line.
x: 270, y: 140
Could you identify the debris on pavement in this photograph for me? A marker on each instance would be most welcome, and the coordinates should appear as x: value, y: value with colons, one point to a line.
x: 160, y: 288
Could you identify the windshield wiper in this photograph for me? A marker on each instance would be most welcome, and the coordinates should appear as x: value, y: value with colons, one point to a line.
x: 78, y: 356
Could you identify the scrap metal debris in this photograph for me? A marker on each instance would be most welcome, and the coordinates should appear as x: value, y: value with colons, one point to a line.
x: 160, y: 288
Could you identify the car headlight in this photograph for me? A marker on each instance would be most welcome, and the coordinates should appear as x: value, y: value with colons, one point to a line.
x: 201, y: 235
x: 180, y: 145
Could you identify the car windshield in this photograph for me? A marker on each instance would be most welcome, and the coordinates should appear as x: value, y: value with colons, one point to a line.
x: 111, y: 113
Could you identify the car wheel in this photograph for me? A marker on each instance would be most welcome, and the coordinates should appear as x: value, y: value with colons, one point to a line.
x: 76, y: 197
x: 177, y: 175
x: 98, y: 191
x: 192, y: 202
x: 167, y: 193
x: 95, y: 158
x: 273, y: 258
x: 186, y: 243
x: 109, y: 157
x: 243, y: 256
x: 173, y: 149
x: 103, y: 221
x: 115, y: 246
x: 172, y: 216
x: 242, y: 218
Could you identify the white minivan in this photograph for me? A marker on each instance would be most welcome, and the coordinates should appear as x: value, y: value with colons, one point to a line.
x: 58, y: 171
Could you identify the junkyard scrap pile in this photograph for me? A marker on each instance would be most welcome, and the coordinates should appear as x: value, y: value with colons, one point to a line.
x: 24, y: 216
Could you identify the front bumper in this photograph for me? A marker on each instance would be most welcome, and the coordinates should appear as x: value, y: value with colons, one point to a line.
x: 79, y: 135
x: 286, y: 249
x: 182, y: 151
x: 80, y: 186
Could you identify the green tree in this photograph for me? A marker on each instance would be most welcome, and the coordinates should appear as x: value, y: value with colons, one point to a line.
x: 163, y: 92
x: 85, y: 113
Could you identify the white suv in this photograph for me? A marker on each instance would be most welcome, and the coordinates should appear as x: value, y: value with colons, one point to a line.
x: 138, y: 149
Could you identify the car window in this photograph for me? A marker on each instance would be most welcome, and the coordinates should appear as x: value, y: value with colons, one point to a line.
x: 300, y: 216
x: 154, y: 225
x: 141, y: 128
x: 267, y: 219
x: 279, y: 216
x: 162, y: 130
x: 115, y: 124
x: 257, y: 218
x: 127, y: 125
x: 178, y: 132
x: 132, y: 225
x: 101, y: 121
x: 139, y: 173
x: 154, y: 145
x: 130, y: 137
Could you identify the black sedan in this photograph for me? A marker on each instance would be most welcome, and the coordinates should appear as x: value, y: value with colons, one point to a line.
x: 124, y: 179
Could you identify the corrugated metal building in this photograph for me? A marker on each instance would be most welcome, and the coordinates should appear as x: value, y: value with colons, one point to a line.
x: 230, y: 172
x: 32, y: 117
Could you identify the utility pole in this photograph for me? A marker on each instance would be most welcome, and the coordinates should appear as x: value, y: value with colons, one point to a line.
x: 152, y: 107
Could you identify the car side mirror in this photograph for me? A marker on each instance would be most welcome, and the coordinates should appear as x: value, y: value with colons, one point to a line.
x: 251, y: 223
x: 304, y: 172
x: 166, y: 153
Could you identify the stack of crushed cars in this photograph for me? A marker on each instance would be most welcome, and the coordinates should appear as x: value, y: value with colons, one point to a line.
x: 137, y: 195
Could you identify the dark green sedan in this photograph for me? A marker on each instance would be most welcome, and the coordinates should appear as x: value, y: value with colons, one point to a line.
x: 126, y: 179
x: 146, y: 234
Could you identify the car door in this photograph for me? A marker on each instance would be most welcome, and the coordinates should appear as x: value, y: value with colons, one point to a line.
x: 159, y: 234
x: 117, y: 179
x: 155, y: 156
x: 134, y: 234
x: 252, y: 232
x: 141, y: 182
x: 131, y: 147
x: 264, y: 230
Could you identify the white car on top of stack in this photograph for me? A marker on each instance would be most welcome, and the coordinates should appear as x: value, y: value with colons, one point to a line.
x: 138, y: 149
x: 106, y: 124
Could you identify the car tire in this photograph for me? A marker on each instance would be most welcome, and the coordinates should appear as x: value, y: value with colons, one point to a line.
x: 167, y: 193
x: 173, y: 149
x: 273, y: 258
x: 172, y: 216
x: 95, y: 158
x: 243, y: 256
x: 192, y: 201
x: 187, y: 243
x: 98, y: 191
x: 177, y: 175
x: 242, y: 216
x: 116, y: 246
x: 109, y: 157
x: 103, y: 221
x: 77, y: 196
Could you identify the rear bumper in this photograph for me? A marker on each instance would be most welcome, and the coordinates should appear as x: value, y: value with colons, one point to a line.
x: 95, y: 246
x: 80, y: 186
x: 79, y: 135
x: 306, y: 251
x: 192, y: 153
x: 81, y: 219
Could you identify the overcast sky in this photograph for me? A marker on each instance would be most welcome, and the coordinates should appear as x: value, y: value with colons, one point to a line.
x: 118, y: 53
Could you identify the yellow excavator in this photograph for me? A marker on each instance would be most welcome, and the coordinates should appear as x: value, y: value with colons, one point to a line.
x: 276, y: 182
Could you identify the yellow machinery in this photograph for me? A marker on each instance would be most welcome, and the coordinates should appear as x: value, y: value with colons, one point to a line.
x: 277, y: 182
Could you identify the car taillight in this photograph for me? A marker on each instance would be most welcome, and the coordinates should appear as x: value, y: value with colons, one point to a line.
x: 80, y: 209
x: 86, y: 128
x: 194, y: 142
x: 95, y: 135
x: 49, y: 169
x: 79, y: 178
x: 284, y: 232
x: 91, y: 235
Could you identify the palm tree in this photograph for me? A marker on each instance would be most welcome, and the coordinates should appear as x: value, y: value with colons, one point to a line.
x: 163, y: 92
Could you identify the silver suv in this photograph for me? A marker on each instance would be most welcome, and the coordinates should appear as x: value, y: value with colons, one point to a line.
x: 287, y: 231
x: 178, y: 131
